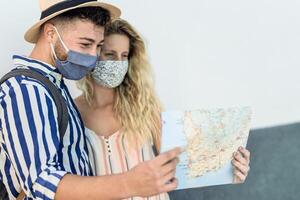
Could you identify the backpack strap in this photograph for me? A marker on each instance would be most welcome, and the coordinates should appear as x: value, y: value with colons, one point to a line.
x: 63, y: 116
x: 62, y: 110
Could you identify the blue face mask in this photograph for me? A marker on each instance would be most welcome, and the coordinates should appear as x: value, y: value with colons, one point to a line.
x: 77, y: 65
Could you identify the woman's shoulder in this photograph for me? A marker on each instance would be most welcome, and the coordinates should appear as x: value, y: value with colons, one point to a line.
x: 79, y: 101
x: 81, y: 104
x: 88, y: 131
x: 92, y: 137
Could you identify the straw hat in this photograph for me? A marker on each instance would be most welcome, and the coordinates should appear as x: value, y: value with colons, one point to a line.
x: 53, y: 8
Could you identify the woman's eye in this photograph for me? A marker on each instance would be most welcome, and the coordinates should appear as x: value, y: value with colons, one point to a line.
x: 109, y: 55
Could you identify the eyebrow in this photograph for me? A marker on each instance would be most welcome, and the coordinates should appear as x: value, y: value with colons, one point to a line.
x: 91, y: 40
x: 113, y: 51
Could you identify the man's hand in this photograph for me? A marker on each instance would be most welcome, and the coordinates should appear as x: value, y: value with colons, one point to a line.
x: 154, y: 176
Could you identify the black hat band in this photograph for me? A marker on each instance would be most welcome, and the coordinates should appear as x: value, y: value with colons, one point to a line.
x: 61, y: 6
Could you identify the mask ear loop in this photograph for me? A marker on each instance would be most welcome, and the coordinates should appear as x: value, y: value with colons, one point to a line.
x: 62, y: 42
x: 53, y: 51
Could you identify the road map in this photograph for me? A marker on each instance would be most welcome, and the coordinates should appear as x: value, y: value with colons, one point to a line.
x: 210, y: 136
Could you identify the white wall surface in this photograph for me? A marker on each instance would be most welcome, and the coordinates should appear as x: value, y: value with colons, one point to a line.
x: 205, y: 53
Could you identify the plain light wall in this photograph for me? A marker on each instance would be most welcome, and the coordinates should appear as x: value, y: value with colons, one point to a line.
x: 206, y: 53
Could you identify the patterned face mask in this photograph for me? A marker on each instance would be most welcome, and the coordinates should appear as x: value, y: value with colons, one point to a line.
x: 110, y: 73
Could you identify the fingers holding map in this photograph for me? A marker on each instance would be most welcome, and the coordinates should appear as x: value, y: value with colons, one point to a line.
x: 240, y: 162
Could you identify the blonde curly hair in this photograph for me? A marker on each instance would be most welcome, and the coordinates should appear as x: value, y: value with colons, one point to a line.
x: 136, y: 105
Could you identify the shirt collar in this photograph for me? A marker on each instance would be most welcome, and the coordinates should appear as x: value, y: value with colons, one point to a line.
x: 45, y: 68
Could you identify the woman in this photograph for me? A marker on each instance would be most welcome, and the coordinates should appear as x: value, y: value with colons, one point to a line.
x: 120, y: 109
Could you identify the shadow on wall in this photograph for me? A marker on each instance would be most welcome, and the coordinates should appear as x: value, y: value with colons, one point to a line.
x: 275, y: 169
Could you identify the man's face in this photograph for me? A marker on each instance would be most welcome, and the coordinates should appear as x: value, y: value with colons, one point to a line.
x: 81, y: 36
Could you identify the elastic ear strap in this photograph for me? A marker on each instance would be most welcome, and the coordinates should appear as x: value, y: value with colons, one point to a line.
x: 66, y: 48
x: 53, y: 51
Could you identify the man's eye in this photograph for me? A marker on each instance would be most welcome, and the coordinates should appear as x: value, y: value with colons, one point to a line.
x: 85, y: 44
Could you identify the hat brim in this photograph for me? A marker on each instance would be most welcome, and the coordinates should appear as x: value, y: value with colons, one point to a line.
x: 33, y: 32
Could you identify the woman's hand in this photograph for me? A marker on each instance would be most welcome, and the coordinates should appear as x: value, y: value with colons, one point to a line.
x: 240, y: 163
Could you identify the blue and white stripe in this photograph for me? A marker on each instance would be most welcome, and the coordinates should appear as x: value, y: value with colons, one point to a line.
x: 32, y: 158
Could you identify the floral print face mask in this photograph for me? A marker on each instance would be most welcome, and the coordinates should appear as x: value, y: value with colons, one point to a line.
x: 110, y: 73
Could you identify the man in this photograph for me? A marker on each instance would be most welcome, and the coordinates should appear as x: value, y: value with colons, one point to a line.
x: 33, y: 159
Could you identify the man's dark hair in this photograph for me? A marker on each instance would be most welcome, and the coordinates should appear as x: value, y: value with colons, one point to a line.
x: 97, y: 15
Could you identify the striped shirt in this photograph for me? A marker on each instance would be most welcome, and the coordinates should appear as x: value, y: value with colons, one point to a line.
x: 32, y: 158
x: 112, y: 155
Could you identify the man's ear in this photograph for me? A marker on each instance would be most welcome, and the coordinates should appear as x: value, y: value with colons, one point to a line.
x: 49, y: 32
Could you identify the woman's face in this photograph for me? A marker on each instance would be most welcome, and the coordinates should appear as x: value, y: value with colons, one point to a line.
x: 115, y: 47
